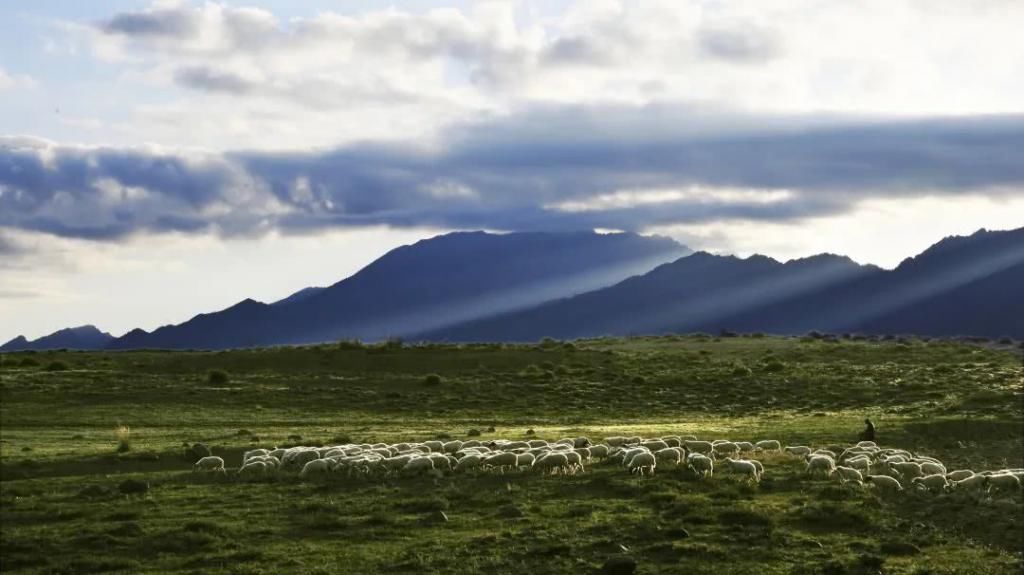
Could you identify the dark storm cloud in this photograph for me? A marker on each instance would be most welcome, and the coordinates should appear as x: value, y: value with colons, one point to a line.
x: 513, y: 172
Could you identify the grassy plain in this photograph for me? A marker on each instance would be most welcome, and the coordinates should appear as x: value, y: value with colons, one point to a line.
x: 60, y: 464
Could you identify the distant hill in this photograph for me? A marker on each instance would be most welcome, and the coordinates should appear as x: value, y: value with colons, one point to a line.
x: 960, y: 286
x: 85, y: 337
x: 431, y: 284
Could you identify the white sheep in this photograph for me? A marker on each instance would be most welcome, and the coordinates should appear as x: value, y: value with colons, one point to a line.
x: 599, y: 451
x: 745, y: 446
x: 316, y: 467
x: 210, y: 463
x: 673, y: 455
x: 959, y: 474
x: 418, y: 465
x: 701, y: 465
x: 725, y: 448
x: 654, y: 444
x: 936, y: 483
x: 932, y: 468
x: 525, y: 460
x: 848, y: 474
x: 908, y: 470
x: 798, y: 450
x: 501, y: 461
x: 1004, y: 483
x: 253, y: 453
x: 252, y: 469
x: 976, y: 482
x: 820, y: 464
x: 470, y: 461
x: 705, y: 447
x: 615, y: 441
x: 885, y: 483
x: 553, y: 462
x: 643, y: 463
x: 866, y: 444
x: 743, y: 467
x: 768, y: 445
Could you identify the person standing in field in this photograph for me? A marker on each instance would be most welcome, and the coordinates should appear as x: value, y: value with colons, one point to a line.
x: 869, y: 431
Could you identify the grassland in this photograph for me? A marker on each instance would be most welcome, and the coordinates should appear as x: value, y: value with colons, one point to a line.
x: 61, y: 465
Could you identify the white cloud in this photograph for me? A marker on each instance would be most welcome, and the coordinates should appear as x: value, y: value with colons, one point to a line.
x: 246, y: 77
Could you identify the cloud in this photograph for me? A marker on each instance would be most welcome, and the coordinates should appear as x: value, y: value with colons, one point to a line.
x: 11, y: 81
x: 549, y: 167
x: 741, y: 43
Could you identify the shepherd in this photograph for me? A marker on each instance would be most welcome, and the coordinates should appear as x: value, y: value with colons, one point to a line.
x: 869, y: 431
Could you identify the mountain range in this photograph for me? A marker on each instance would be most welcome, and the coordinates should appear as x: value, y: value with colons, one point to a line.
x: 476, y: 286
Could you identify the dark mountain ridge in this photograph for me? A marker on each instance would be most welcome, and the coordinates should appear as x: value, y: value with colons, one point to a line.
x: 83, y: 337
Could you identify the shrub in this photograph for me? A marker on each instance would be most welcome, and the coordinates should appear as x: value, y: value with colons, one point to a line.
x: 740, y: 370
x: 350, y: 344
x: 29, y: 362
x: 473, y: 433
x: 217, y: 377
x: 56, y: 366
x: 124, y: 438
x: 432, y: 379
x: 132, y: 486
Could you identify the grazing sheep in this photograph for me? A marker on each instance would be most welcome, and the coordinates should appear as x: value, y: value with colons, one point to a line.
x: 862, y: 464
x: 673, y: 455
x: 768, y: 445
x: 553, y: 462
x: 827, y: 452
x: 959, y: 474
x: 884, y: 483
x: 698, y: 446
x: 575, y: 461
x: 866, y: 444
x: 253, y: 453
x: 501, y: 461
x: 470, y: 461
x: 434, y: 446
x: 1004, y: 483
x: 643, y: 463
x: 820, y: 465
x: 725, y: 448
x: 654, y: 444
x: 584, y: 452
x: 417, y: 466
x: 525, y: 460
x: 210, y: 463
x: 745, y: 446
x: 848, y: 474
x: 936, y: 483
x: 907, y: 469
x: 441, y: 461
x: 932, y: 468
x: 452, y: 446
x: 701, y: 465
x: 976, y: 482
x: 615, y: 441
x: 757, y: 464
x: 252, y: 469
x: 599, y: 451
x: 537, y: 443
x: 581, y: 442
x: 673, y: 441
x: 798, y: 450
x: 743, y: 467
x: 316, y: 467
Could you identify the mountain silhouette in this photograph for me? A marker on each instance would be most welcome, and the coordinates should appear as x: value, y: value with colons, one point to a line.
x: 428, y: 285
x: 960, y: 286
x: 85, y: 337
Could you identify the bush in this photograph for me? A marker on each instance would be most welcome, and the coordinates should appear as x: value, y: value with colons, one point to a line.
x: 29, y: 362
x: 124, y: 438
x: 473, y: 433
x: 350, y: 344
x: 432, y: 379
x: 133, y: 486
x: 217, y: 377
x: 56, y: 366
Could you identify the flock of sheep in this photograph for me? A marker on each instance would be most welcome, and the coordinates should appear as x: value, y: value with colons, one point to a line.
x: 889, y: 470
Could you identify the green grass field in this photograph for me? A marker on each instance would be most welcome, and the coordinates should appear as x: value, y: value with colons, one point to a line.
x: 62, y: 511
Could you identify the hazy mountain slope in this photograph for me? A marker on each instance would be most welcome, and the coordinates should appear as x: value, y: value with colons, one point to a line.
x: 82, y: 337
x: 430, y: 284
x: 961, y: 286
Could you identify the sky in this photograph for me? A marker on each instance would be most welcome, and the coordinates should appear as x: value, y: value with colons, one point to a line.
x: 163, y: 159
